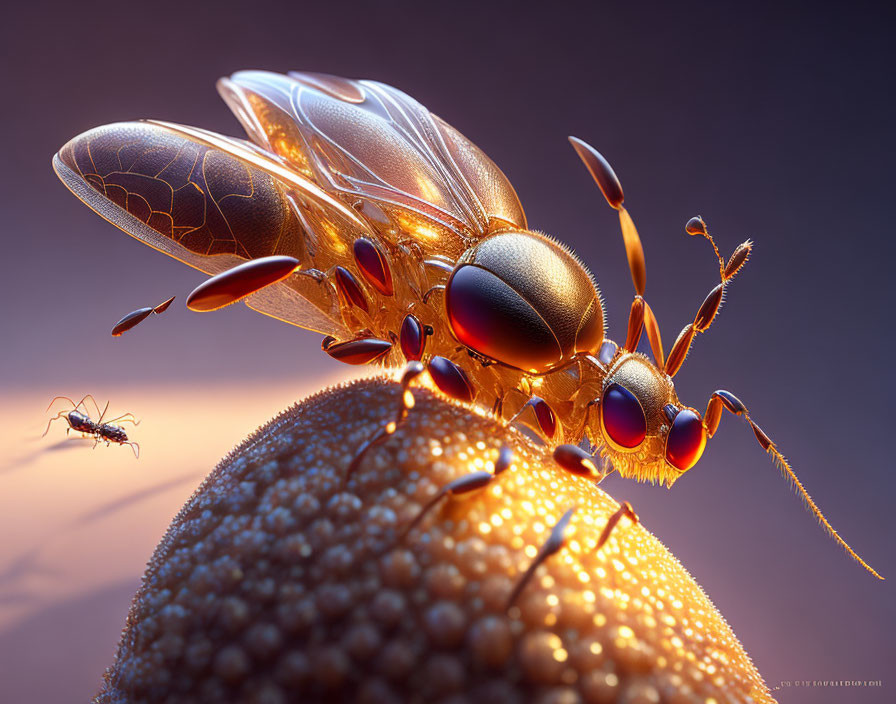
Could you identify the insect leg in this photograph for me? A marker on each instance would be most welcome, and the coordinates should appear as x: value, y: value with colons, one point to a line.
x: 462, y: 485
x: 103, y: 414
x: 412, y: 337
x: 641, y: 317
x: 552, y: 545
x: 431, y: 291
x: 95, y: 404
x: 362, y: 350
x: 405, y: 403
x: 608, y: 182
x: 547, y: 421
x: 726, y: 400
x: 135, y: 447
x: 451, y: 379
x: 625, y: 509
x: 76, y: 406
x: 126, y: 418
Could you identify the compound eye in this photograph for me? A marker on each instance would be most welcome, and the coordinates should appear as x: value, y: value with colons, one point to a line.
x: 622, y: 416
x: 686, y: 440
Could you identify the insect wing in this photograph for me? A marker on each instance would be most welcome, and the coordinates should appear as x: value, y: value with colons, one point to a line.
x: 369, y: 141
x: 213, y: 202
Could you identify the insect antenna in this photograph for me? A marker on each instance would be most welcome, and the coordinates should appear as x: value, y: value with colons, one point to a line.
x: 405, y: 404
x: 784, y: 466
x: 713, y: 301
x: 103, y: 414
x: 726, y: 400
x: 56, y: 417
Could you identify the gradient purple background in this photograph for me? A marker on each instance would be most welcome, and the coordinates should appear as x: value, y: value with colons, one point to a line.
x: 773, y: 123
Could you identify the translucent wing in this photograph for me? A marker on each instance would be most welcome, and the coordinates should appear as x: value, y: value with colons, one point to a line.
x: 333, y: 160
x: 212, y: 202
x: 366, y: 140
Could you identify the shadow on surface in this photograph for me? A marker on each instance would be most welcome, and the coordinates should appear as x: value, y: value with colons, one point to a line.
x: 59, y: 654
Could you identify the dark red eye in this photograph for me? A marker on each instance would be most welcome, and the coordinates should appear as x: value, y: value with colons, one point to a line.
x: 686, y: 440
x: 623, y: 418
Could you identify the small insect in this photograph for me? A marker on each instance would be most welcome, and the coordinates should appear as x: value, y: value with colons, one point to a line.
x: 138, y: 316
x: 80, y: 422
x: 411, y: 246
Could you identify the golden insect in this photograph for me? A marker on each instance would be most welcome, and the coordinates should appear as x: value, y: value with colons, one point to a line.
x: 385, y: 229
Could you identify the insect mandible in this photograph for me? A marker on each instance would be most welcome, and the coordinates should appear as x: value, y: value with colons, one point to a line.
x: 413, y: 248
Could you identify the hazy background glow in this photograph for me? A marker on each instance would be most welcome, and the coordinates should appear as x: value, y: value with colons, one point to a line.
x: 773, y: 123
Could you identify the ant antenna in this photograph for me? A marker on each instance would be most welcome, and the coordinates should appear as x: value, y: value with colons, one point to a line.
x: 713, y: 301
x: 725, y: 400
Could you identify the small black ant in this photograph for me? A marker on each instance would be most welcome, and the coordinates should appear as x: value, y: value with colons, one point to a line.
x: 82, y: 423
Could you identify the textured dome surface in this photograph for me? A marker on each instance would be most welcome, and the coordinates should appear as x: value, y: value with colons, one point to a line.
x: 277, y: 582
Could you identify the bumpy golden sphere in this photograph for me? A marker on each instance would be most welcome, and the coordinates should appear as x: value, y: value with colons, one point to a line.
x: 279, y: 583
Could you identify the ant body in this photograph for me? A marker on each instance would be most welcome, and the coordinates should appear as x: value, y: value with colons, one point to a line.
x: 82, y: 423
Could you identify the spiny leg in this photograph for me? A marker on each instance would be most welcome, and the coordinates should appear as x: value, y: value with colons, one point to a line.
x: 726, y: 400
x: 552, y: 545
x: 625, y: 509
x: 713, y: 301
x: 556, y: 540
x: 463, y: 485
x: 405, y: 403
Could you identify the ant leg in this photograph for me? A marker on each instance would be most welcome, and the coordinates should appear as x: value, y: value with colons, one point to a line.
x: 608, y: 182
x: 640, y: 318
x: 726, y: 400
x: 135, y: 447
x: 625, y: 509
x: 450, y: 379
x: 547, y: 421
x: 95, y: 404
x: 125, y: 419
x: 463, y: 485
x: 576, y: 460
x: 76, y: 406
x: 66, y: 398
x: 103, y: 414
x: 552, y: 545
x: 362, y: 350
x: 56, y: 417
x: 431, y: 291
x: 556, y: 540
x: 405, y: 403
